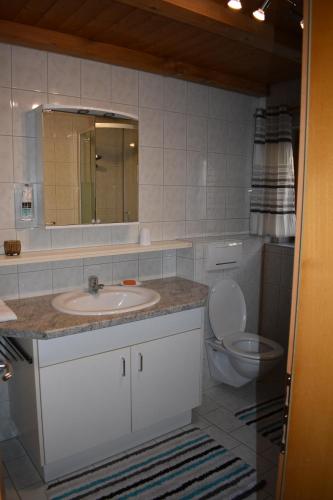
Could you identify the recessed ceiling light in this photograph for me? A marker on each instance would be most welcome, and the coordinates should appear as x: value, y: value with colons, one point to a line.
x: 235, y: 4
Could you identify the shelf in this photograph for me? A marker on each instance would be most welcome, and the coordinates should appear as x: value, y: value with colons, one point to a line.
x: 88, y: 252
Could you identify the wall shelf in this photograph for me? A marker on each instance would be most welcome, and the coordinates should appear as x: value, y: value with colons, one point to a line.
x: 54, y: 255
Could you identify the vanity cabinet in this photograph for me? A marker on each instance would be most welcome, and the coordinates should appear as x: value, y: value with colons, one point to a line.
x: 85, y: 402
x: 97, y: 393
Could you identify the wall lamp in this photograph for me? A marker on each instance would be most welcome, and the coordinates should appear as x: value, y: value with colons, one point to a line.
x: 260, y: 14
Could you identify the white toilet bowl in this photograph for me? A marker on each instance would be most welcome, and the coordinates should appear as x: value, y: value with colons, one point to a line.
x: 236, y: 357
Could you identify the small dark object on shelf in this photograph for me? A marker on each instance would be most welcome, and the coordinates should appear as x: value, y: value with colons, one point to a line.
x: 12, y: 247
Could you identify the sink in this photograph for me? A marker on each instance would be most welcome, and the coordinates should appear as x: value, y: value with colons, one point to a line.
x: 109, y: 300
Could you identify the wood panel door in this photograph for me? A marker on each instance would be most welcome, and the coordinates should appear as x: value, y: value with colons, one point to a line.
x: 85, y: 402
x: 166, y: 378
x: 306, y: 469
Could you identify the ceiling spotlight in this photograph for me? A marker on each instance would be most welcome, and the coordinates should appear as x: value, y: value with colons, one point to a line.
x: 235, y: 4
x: 259, y: 14
x: 302, y: 24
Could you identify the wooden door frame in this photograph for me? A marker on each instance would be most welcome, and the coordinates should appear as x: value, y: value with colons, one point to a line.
x: 302, y: 156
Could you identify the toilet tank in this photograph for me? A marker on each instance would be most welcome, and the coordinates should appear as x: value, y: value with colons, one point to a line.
x: 223, y: 255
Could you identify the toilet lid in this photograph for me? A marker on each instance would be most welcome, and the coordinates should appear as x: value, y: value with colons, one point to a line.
x: 252, y: 346
x: 227, y: 309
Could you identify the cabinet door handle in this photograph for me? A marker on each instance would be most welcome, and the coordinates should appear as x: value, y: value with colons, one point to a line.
x: 140, y: 362
x: 123, y: 361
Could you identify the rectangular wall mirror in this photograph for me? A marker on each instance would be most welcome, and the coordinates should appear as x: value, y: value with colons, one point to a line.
x: 90, y: 167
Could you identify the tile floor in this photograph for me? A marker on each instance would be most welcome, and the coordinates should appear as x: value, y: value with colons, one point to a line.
x: 215, y: 416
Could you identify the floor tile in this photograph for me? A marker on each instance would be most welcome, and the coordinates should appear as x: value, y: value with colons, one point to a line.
x: 11, y: 449
x: 252, y: 439
x: 33, y: 492
x: 22, y: 472
x: 11, y: 493
x: 208, y: 404
x: 199, y: 421
x: 272, y: 454
x: 221, y: 437
x: 227, y: 398
x: 256, y: 461
x: 224, y: 419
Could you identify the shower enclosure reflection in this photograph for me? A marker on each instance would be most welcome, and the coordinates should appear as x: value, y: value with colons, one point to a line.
x: 90, y: 168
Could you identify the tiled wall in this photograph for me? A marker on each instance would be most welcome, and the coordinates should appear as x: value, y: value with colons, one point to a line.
x: 191, y: 264
x: 195, y: 141
x: 276, y: 292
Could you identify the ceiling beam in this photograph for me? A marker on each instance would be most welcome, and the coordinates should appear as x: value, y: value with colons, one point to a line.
x: 213, y: 16
x: 54, y: 41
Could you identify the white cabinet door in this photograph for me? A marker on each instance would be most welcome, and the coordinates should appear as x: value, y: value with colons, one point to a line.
x: 166, y: 378
x: 85, y: 402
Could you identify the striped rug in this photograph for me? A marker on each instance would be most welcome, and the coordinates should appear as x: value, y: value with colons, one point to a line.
x: 266, y: 417
x: 183, y: 465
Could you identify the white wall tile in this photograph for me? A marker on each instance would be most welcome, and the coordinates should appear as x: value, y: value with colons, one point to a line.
x: 216, y: 203
x: 174, y: 130
x: 95, y: 80
x: 124, y: 233
x: 169, y: 263
x: 238, y: 172
x: 6, y: 206
x: 217, y: 136
x: 150, y: 269
x: 24, y: 117
x: 185, y: 268
x: 67, y: 278
x: 174, y: 95
x: 35, y: 283
x: 150, y: 90
x: 34, y: 239
x: 65, y: 238
x: 195, y: 203
x: 217, y: 169
x: 197, y: 99
x: 196, y: 168
x: 126, y: 270
x: 151, y: 166
x: 174, y: 203
x: 102, y: 271
x: 220, y: 103
x: 125, y: 85
x: 25, y: 159
x: 195, y: 228
x: 6, y: 159
x: 96, y: 235
x: 150, y: 203
x: 63, y: 75
x: 173, y: 230
x: 214, y: 227
x: 155, y: 228
x: 151, y: 127
x: 29, y: 69
x: 9, y: 286
x: 5, y: 65
x: 238, y: 203
x: 197, y: 133
x: 6, y: 122
x: 174, y: 167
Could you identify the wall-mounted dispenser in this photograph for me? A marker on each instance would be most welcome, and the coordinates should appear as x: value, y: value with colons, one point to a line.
x: 223, y: 255
x: 28, y: 205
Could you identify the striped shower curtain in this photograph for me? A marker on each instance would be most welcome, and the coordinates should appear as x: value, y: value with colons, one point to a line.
x: 273, y: 181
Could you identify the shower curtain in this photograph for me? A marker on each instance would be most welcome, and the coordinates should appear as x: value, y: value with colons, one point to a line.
x: 273, y: 181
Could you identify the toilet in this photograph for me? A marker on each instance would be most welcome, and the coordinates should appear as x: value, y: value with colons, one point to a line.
x: 236, y: 357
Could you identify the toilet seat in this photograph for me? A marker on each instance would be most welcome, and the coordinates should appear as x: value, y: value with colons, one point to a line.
x: 251, y: 346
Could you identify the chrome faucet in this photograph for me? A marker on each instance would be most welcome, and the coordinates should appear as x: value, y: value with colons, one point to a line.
x: 6, y: 367
x: 93, y: 285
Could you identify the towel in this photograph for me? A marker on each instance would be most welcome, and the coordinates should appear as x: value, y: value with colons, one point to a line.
x: 6, y: 314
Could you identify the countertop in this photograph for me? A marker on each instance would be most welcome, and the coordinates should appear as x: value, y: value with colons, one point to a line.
x: 37, y: 319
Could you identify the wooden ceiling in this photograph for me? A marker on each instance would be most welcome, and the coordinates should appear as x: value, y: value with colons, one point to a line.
x: 200, y: 40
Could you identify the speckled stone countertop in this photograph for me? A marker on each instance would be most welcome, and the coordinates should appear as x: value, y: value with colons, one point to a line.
x: 38, y: 319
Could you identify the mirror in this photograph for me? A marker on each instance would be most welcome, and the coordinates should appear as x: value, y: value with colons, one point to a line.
x: 90, y: 167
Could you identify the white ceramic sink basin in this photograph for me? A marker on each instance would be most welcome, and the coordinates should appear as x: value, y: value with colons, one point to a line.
x: 109, y: 300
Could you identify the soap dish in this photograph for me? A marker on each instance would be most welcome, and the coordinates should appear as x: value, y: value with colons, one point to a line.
x: 130, y: 282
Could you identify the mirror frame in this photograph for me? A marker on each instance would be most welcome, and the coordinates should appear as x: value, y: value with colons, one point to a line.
x: 80, y: 110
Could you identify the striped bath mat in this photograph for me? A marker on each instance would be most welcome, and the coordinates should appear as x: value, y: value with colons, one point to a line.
x: 184, y: 465
x: 266, y: 417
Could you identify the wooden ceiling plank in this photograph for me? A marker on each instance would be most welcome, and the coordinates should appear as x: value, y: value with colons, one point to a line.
x: 53, y: 41
x: 90, y: 9
x: 103, y: 21
x: 58, y: 13
x: 33, y: 10
x: 215, y: 17
x: 10, y: 9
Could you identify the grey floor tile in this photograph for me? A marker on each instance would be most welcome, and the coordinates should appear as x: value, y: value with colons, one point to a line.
x: 272, y: 454
x: 11, y: 449
x: 208, y: 404
x: 22, y: 472
x: 199, y: 421
x: 228, y: 397
x: 33, y: 492
x: 252, y: 439
x: 221, y: 437
x: 250, y: 457
x: 224, y: 419
x: 11, y: 493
